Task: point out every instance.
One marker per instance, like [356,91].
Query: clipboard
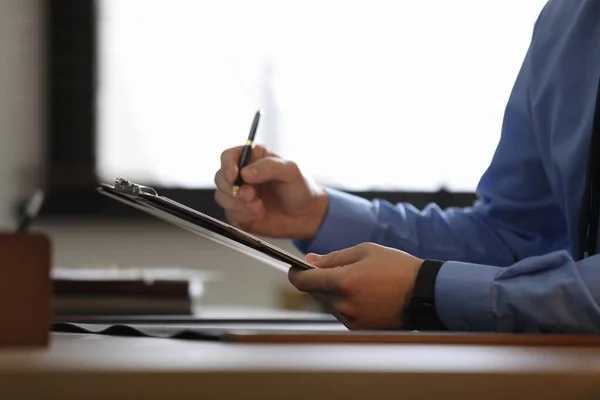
[149,201]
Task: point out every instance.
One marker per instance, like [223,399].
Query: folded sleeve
[541,294]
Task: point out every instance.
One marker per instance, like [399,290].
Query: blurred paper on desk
[127,291]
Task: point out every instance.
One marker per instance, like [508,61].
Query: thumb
[338,258]
[270,169]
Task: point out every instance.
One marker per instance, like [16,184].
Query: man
[522,259]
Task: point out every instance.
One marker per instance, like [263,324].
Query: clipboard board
[149,201]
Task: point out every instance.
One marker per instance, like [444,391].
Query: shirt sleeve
[515,216]
[543,294]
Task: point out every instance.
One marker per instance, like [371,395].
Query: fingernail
[312,257]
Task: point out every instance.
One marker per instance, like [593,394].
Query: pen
[246,152]
[32,208]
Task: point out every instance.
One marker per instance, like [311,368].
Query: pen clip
[126,186]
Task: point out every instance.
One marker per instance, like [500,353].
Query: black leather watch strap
[420,313]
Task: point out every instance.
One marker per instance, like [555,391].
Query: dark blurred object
[126,291]
[135,288]
[25,290]
[31,211]
[133,297]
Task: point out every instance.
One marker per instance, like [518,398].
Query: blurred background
[359,93]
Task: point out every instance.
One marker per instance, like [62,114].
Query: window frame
[70,177]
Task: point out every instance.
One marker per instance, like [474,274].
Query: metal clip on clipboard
[126,186]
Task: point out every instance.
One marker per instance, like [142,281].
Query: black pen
[246,153]
[32,209]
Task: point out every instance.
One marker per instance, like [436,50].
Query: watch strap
[421,313]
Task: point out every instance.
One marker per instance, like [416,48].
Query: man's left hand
[368,284]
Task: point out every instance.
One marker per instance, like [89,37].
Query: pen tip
[235,190]
[260,111]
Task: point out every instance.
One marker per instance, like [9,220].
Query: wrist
[315,216]
[408,295]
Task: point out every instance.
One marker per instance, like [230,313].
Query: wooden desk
[102,367]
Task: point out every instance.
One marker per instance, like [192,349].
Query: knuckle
[217,196]
[330,284]
[229,156]
[222,182]
[293,170]
[367,247]
[330,258]
[346,309]
[270,163]
[225,155]
[342,286]
[347,285]
[260,149]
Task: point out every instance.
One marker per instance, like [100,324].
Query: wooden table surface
[101,367]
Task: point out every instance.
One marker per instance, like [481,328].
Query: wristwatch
[421,314]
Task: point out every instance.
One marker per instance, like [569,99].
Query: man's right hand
[277,200]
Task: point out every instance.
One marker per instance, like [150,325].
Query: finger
[246,193]
[229,163]
[337,302]
[230,159]
[270,169]
[324,281]
[338,307]
[311,258]
[227,202]
[344,312]
[340,257]
[222,181]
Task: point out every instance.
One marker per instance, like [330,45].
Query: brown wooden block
[25,290]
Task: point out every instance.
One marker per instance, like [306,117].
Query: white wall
[244,280]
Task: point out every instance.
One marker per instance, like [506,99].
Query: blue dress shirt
[511,259]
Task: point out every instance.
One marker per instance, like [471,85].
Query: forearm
[549,293]
[452,234]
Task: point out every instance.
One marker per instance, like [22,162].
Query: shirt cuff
[464,296]
[350,220]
